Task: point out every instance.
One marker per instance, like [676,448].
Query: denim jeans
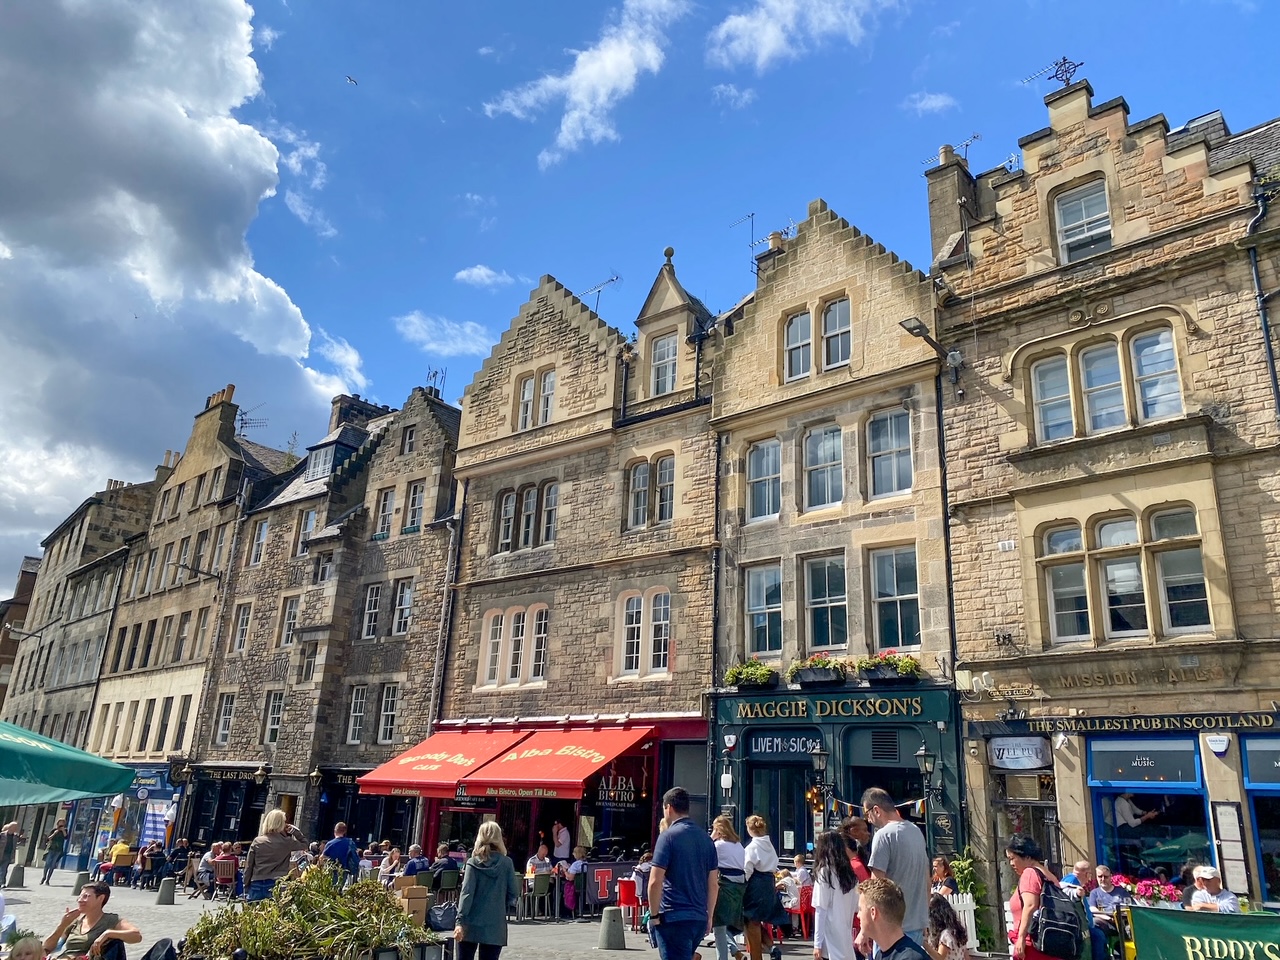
[725,945]
[260,890]
[678,939]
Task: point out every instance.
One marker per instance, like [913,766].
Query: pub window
[764,608]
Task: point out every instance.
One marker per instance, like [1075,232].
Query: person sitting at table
[570,870]
[390,867]
[1212,896]
[204,872]
[87,929]
[1105,898]
[442,864]
[416,862]
[540,862]
[229,853]
[640,874]
[176,862]
[366,863]
[804,878]
[788,888]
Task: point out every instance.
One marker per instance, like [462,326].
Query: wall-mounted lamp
[954,359]
[1059,740]
[260,775]
[315,777]
[928,762]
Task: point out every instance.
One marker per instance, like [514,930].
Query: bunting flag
[915,808]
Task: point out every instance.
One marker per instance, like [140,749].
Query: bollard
[17,876]
[165,896]
[81,879]
[612,936]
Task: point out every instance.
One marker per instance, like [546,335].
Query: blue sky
[196,195]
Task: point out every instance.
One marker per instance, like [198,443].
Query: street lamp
[928,762]
[316,777]
[953,358]
[822,788]
[260,775]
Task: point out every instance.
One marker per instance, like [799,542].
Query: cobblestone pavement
[40,908]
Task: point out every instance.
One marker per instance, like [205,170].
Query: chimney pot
[946,153]
[775,240]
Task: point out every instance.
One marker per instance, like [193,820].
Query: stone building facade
[147,713]
[67,627]
[1112,457]
[833,525]
[13,620]
[584,595]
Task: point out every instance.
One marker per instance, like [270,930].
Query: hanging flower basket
[888,666]
[818,676]
[751,674]
[819,668]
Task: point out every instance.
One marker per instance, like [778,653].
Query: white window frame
[546,396]
[757,455]
[515,646]
[831,472]
[528,517]
[664,473]
[664,352]
[167,572]
[829,602]
[660,631]
[506,521]
[386,511]
[184,561]
[403,606]
[493,649]
[1082,230]
[408,438]
[1056,556]
[895,452]
[369,611]
[307,668]
[797,348]
[226,715]
[324,566]
[306,526]
[289,620]
[355,713]
[879,596]
[1105,563]
[1089,394]
[1042,403]
[837,331]
[219,546]
[550,509]
[632,634]
[413,501]
[524,414]
[260,530]
[638,495]
[1164,337]
[274,715]
[541,639]
[215,483]
[387,712]
[769,611]
[319,463]
[244,619]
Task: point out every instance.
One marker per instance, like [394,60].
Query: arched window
[638,496]
[666,470]
[506,520]
[1155,375]
[550,507]
[1051,393]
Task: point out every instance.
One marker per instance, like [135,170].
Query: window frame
[773,490]
[828,602]
[226,717]
[289,610]
[546,396]
[273,717]
[897,598]
[895,453]
[243,624]
[828,468]
[257,548]
[306,527]
[638,495]
[370,611]
[840,334]
[415,497]
[664,487]
[1038,402]
[1088,394]
[1077,194]
[529,515]
[506,526]
[402,606]
[798,347]
[550,511]
[408,439]
[355,717]
[387,708]
[516,634]
[524,403]
[319,463]
[662,372]
[385,512]
[766,610]
[541,643]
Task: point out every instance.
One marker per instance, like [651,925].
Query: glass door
[777,794]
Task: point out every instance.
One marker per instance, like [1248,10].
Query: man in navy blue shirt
[683,882]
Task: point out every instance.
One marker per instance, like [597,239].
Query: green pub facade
[872,736]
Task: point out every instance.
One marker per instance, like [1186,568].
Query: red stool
[627,899]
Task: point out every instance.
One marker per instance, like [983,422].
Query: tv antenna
[599,288]
[1063,70]
[436,377]
[245,422]
[963,146]
[787,232]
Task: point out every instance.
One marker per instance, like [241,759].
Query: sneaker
[776,952]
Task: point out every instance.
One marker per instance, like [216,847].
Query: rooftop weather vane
[1062,70]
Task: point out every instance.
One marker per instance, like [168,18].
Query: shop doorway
[777,794]
[459,826]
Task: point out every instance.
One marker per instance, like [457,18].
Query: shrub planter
[758,684]
[884,675]
[818,675]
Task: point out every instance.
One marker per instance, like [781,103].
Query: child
[28,948]
[803,877]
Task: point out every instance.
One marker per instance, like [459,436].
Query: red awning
[552,763]
[434,767]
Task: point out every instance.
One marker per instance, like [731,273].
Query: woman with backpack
[1027,860]
[489,883]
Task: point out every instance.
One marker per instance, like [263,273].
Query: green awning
[35,769]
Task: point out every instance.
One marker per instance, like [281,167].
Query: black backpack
[1055,929]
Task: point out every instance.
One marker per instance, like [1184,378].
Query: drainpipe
[713,746]
[446,611]
[956,720]
[1261,298]
[624,358]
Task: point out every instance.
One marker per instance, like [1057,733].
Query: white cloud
[345,358]
[727,94]
[923,102]
[129,292]
[302,158]
[302,208]
[777,30]
[482,276]
[442,337]
[5,252]
[485,51]
[265,37]
[602,75]
[479,200]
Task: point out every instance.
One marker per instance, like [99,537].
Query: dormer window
[1084,223]
[319,463]
[663,364]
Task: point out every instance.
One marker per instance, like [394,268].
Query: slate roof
[348,435]
[1261,143]
[30,565]
[450,417]
[266,461]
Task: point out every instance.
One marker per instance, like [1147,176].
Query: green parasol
[35,769]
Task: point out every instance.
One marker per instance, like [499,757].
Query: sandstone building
[832,520]
[1112,471]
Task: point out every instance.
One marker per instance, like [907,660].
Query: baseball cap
[1206,873]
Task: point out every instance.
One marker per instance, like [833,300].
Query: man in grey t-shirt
[898,852]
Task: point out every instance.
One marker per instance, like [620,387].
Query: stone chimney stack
[352,409]
[950,186]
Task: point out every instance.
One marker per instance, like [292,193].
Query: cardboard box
[414,893]
[400,883]
[416,909]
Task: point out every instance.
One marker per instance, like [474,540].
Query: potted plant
[751,673]
[888,665]
[312,916]
[819,668]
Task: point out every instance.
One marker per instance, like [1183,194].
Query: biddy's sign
[1187,935]
[870,707]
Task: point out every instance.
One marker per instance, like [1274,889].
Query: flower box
[758,684]
[884,675]
[818,675]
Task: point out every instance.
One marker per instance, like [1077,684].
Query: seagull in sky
[352,80]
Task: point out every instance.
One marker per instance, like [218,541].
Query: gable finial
[669,253]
